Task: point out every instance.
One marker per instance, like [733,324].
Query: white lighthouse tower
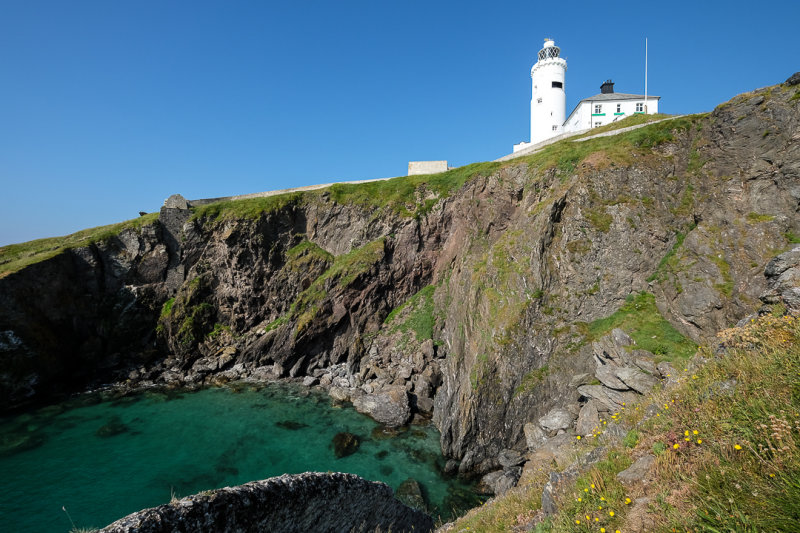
[548,99]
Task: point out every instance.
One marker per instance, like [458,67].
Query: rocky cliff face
[473,296]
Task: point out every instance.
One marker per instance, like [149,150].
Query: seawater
[101,459]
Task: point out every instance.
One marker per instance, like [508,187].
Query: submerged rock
[114,426]
[345,444]
[410,493]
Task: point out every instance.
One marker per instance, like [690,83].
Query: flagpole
[645,75]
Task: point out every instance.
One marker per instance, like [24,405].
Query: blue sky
[107,108]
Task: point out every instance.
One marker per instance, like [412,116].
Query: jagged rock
[608,376]
[783,280]
[286,504]
[794,79]
[636,380]
[388,406]
[645,363]
[607,399]
[345,444]
[534,436]
[510,458]
[637,470]
[588,419]
[580,379]
[310,381]
[555,420]
[410,493]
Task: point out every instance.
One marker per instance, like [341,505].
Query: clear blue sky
[108,107]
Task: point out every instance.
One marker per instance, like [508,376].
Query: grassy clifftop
[411,196]
[15,257]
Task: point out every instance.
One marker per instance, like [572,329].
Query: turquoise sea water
[103,459]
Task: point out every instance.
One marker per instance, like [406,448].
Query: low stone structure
[416,168]
[287,504]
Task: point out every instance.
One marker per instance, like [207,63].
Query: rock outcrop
[286,504]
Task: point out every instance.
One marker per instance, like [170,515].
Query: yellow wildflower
[737,447]
[695,432]
[676,445]
[627,501]
[699,441]
[611,513]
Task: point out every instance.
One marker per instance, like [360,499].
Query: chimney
[607,87]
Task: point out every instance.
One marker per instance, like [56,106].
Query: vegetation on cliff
[726,441]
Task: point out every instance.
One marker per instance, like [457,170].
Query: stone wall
[312,501]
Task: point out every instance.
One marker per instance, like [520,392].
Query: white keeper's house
[548,101]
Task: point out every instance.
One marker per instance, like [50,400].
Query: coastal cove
[102,458]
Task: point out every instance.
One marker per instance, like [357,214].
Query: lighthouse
[548,99]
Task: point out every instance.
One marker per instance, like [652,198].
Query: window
[598,124]
[619,108]
[538,100]
[598,108]
[557,85]
[639,107]
[555,128]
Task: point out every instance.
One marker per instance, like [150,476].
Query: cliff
[474,295]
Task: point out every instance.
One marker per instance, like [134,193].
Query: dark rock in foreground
[289,503]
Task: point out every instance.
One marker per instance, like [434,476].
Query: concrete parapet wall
[416,168]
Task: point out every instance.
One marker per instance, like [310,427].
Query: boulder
[510,458]
[339,394]
[794,79]
[500,481]
[588,419]
[389,406]
[310,381]
[637,470]
[534,436]
[555,420]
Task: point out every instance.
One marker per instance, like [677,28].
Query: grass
[620,149]
[725,461]
[640,318]
[248,209]
[418,316]
[531,380]
[667,262]
[402,195]
[14,257]
[344,271]
[755,218]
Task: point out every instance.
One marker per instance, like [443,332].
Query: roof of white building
[618,96]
